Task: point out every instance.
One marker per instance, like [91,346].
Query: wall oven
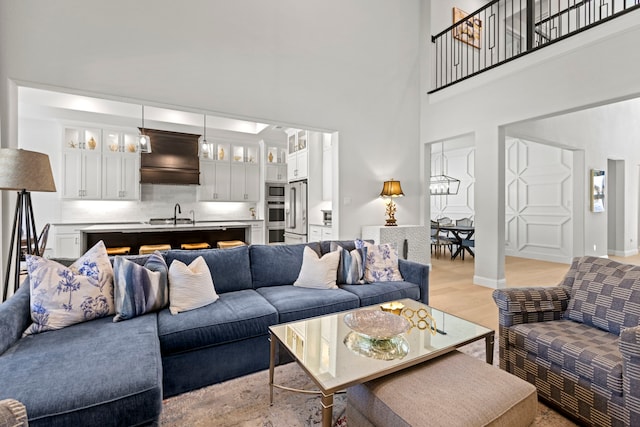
[274,209]
[275,214]
[275,192]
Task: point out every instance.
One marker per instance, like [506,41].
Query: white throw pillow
[63,296]
[190,286]
[316,272]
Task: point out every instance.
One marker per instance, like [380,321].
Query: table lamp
[24,171]
[390,190]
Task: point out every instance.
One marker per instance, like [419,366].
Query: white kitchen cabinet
[67,241]
[315,233]
[120,176]
[412,241]
[215,181]
[297,158]
[257,233]
[327,233]
[245,182]
[81,174]
[100,164]
[275,164]
[220,151]
[319,233]
[275,172]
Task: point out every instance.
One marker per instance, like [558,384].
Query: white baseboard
[490,283]
[628,252]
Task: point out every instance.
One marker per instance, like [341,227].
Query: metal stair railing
[504,30]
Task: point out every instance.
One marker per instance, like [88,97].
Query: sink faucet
[175,215]
[193,216]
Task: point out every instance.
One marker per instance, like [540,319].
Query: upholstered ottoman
[451,390]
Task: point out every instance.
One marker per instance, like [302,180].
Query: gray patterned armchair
[578,342]
[13,414]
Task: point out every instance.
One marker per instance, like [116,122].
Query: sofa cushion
[381,263]
[275,265]
[579,350]
[376,293]
[351,265]
[190,286]
[91,373]
[140,289]
[235,316]
[318,272]
[295,303]
[229,268]
[14,317]
[326,245]
[63,296]
[605,294]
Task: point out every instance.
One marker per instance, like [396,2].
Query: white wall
[596,67]
[350,66]
[606,132]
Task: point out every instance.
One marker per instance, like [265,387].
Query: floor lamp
[24,171]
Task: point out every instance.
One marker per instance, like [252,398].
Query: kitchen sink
[169,221]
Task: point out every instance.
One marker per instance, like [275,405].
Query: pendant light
[443,185]
[204,146]
[145,141]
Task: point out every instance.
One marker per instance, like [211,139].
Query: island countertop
[142,227]
[134,235]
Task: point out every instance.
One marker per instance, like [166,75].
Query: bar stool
[225,244]
[120,250]
[149,249]
[192,246]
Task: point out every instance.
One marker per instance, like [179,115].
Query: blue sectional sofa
[105,373]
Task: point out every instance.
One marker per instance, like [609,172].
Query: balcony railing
[503,30]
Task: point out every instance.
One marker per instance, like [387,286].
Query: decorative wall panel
[538,183]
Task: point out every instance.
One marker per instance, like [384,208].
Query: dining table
[461,235]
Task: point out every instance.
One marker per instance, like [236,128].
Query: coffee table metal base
[326,400]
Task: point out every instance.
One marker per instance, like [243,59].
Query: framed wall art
[468,31]
[597,190]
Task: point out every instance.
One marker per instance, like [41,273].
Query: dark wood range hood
[173,158]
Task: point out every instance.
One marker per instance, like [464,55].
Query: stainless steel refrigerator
[295,212]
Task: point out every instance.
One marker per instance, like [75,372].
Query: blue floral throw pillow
[140,289]
[63,296]
[381,263]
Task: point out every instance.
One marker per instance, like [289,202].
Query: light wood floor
[451,287]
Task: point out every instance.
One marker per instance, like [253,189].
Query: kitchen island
[135,235]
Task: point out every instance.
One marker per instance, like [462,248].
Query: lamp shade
[25,170]
[391,188]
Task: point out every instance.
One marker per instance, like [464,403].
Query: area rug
[244,402]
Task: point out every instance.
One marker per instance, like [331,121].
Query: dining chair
[468,243]
[439,238]
[41,243]
[465,222]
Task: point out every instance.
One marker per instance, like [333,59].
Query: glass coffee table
[335,357]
